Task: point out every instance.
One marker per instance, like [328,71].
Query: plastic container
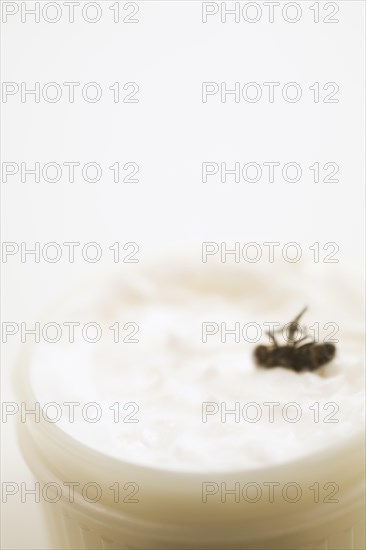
[170,512]
[316,502]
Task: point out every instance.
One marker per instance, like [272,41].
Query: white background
[169,133]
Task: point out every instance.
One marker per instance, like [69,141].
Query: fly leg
[272,338]
[293,326]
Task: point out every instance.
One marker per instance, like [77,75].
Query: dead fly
[296,354]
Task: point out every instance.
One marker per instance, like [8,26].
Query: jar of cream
[155,428]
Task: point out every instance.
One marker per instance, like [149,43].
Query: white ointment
[183,386]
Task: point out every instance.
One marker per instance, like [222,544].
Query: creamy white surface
[170,372]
